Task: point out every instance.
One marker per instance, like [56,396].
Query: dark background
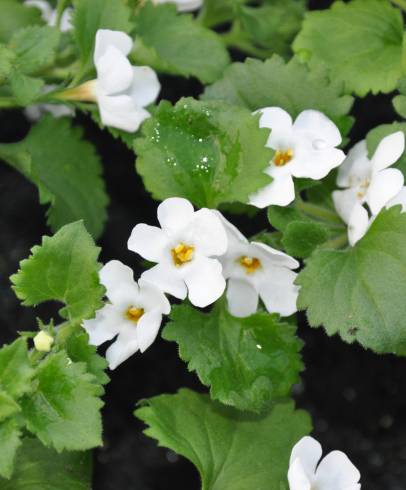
[356,398]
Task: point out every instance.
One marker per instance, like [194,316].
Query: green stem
[9,103]
[318,212]
[337,242]
[400,3]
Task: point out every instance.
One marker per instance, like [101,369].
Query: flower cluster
[196,253]
[334,472]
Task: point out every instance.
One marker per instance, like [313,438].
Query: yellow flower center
[182,253]
[250,264]
[363,189]
[134,314]
[282,157]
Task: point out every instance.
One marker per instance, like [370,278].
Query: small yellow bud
[43,341]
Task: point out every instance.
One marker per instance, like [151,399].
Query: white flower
[133,315]
[256,270]
[303,149]
[50,15]
[120,90]
[36,111]
[334,472]
[368,182]
[400,198]
[183,5]
[183,248]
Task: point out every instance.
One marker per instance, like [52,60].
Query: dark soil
[356,398]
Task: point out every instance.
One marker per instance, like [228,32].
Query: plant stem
[8,103]
[318,212]
[337,242]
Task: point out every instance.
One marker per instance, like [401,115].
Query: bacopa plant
[268,135]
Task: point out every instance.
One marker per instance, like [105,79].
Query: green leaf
[375,136]
[91,15]
[35,48]
[247,362]
[25,89]
[300,238]
[40,468]
[360,293]
[177,44]
[214,12]
[64,411]
[207,152]
[399,101]
[9,443]
[15,369]
[64,268]
[15,16]
[280,216]
[66,170]
[8,406]
[275,25]
[6,63]
[231,450]
[360,42]
[79,350]
[292,86]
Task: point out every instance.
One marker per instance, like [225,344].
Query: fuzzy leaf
[207,152]
[231,450]
[300,238]
[9,443]
[26,89]
[64,268]
[360,292]
[15,16]
[66,172]
[292,86]
[360,42]
[91,15]
[64,411]
[177,44]
[247,362]
[15,369]
[40,468]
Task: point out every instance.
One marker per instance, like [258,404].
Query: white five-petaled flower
[304,149]
[50,15]
[256,270]
[184,249]
[121,90]
[133,315]
[368,181]
[183,5]
[334,472]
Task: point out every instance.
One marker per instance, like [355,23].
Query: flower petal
[308,451]
[344,202]
[315,123]
[278,291]
[166,278]
[316,164]
[152,298]
[242,298]
[400,198]
[114,72]
[280,123]
[148,328]
[280,192]
[145,86]
[119,111]
[175,214]
[271,256]
[104,326]
[384,186]
[358,224]
[123,347]
[148,241]
[106,38]
[297,477]
[115,277]
[336,472]
[389,150]
[204,280]
[207,233]
[356,167]
[233,233]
